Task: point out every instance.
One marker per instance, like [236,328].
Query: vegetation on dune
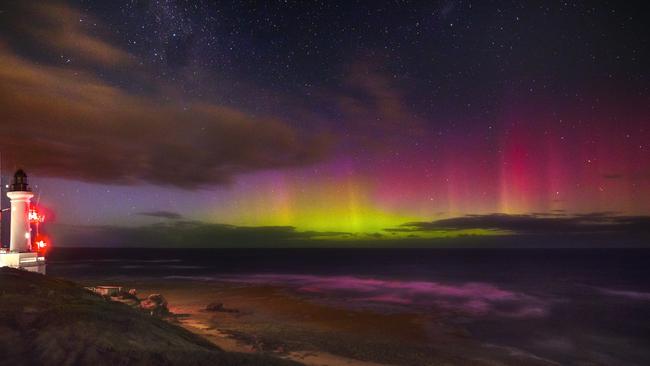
[48,321]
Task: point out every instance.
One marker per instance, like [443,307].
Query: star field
[351,116]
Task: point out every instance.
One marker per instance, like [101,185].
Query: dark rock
[218,307]
[130,295]
[214,306]
[155,304]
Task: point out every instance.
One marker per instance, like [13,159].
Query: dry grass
[47,321]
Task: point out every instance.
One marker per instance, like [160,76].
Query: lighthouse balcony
[28,261]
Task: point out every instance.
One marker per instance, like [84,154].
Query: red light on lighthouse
[35,216]
[42,244]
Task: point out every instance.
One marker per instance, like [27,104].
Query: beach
[393,307]
[321,331]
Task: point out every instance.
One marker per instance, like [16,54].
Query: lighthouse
[21,254]
[20,195]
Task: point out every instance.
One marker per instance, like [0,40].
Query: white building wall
[20,231]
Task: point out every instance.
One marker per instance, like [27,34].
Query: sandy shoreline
[277,321]
[233,332]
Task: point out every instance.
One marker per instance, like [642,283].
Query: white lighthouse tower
[20,195]
[21,254]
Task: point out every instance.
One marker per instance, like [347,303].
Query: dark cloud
[64,121]
[376,111]
[613,176]
[59,30]
[162,214]
[193,234]
[591,223]
[637,176]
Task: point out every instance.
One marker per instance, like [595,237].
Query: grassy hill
[48,321]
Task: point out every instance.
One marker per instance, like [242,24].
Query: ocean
[564,306]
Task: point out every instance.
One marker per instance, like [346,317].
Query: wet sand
[322,331]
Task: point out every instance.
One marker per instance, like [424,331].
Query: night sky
[310,120]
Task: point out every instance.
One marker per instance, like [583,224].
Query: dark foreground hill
[48,321]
